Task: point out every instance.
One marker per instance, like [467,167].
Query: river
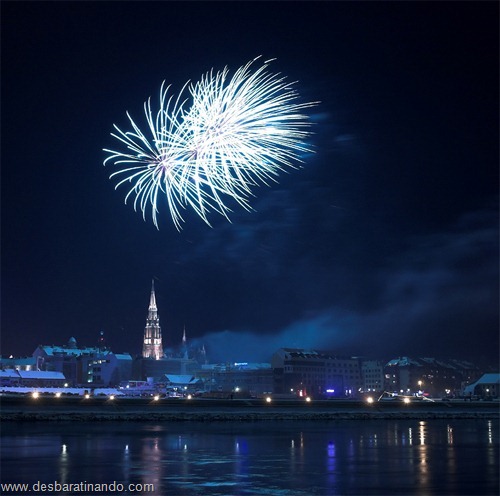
[299,458]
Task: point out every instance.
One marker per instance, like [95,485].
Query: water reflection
[449,431]
[151,459]
[421,432]
[374,457]
[63,463]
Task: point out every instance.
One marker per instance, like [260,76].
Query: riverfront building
[86,366]
[430,375]
[315,373]
[487,386]
[31,378]
[372,375]
[245,378]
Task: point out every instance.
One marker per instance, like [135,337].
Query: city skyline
[152,347]
[385,242]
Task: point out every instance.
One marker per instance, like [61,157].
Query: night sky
[384,244]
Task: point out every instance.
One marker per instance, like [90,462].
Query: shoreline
[50,409]
[240,417]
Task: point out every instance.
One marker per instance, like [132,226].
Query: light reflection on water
[378,457]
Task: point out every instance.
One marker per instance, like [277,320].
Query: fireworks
[236,133]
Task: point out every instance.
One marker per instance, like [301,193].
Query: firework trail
[237,133]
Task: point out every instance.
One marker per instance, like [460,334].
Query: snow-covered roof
[458,365]
[488,379]
[40,374]
[309,354]
[237,366]
[4,374]
[250,366]
[403,362]
[123,356]
[31,374]
[181,379]
[12,362]
[484,379]
[63,350]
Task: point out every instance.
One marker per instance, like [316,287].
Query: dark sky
[384,244]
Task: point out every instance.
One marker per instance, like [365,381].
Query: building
[87,366]
[104,369]
[487,386]
[432,376]
[31,378]
[62,358]
[247,379]
[24,363]
[372,376]
[156,369]
[152,346]
[9,378]
[315,373]
[155,362]
[182,384]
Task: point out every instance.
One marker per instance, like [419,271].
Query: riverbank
[49,408]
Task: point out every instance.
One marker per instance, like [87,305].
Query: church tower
[184,345]
[152,347]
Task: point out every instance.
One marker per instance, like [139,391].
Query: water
[376,457]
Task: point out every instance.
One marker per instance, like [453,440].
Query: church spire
[152,346]
[152,299]
[184,344]
[152,310]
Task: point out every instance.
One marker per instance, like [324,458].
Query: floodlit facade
[152,346]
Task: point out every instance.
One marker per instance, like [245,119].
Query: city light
[369,399]
[308,399]
[406,400]
[157,397]
[268,399]
[58,395]
[35,395]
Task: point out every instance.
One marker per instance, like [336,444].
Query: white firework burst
[238,132]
